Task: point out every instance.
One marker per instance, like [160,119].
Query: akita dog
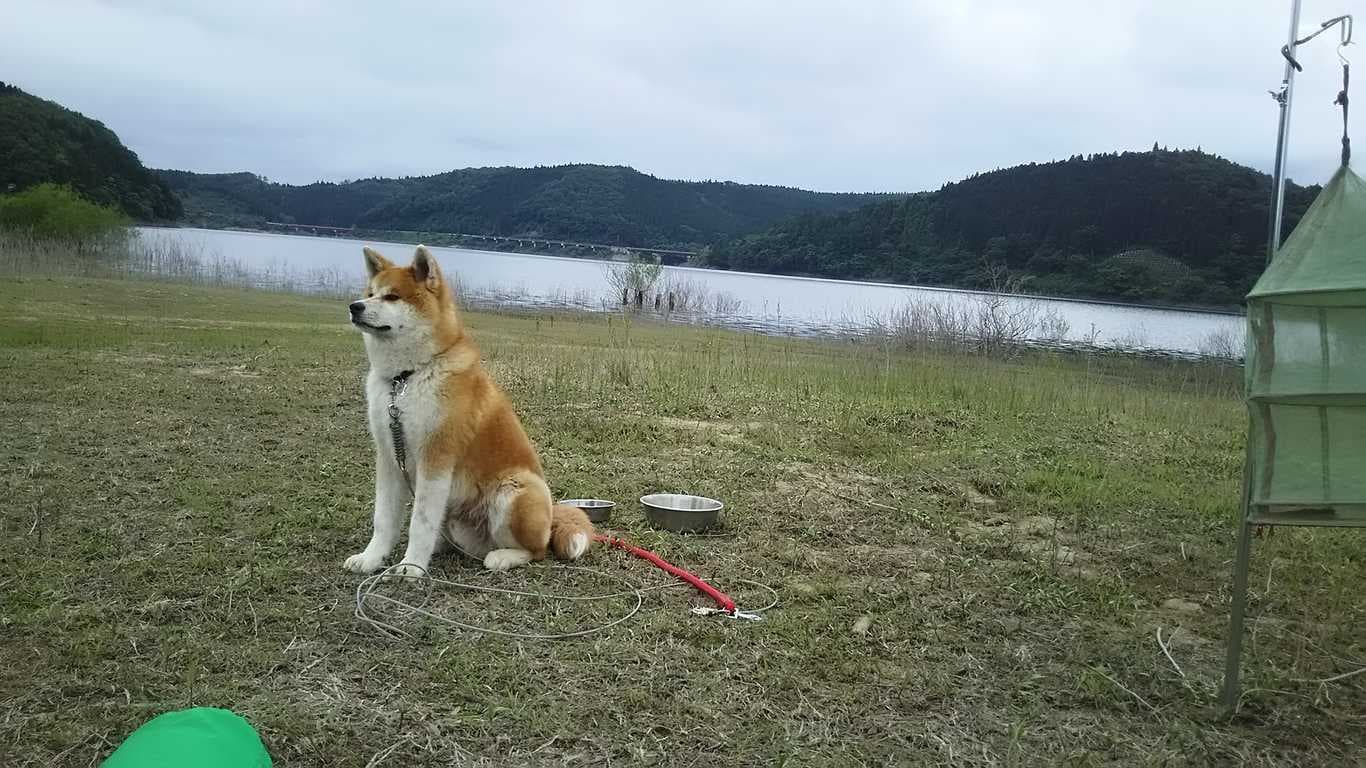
[446,436]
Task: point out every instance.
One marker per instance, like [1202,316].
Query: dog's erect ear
[374,262]
[425,269]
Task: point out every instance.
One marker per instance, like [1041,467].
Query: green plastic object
[203,737]
[1306,368]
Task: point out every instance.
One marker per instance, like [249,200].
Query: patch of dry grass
[974,556]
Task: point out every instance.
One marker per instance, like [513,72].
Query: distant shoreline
[1228,312]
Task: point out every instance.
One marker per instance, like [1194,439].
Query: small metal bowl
[598,510]
[680,512]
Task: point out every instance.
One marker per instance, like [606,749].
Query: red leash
[727,605]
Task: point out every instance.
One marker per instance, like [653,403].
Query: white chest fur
[416,402]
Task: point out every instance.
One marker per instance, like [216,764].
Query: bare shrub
[155,256]
[996,323]
[1053,327]
[991,322]
[726,303]
[1134,338]
[1221,343]
[920,323]
[633,280]
[683,293]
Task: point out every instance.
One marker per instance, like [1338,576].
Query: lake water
[765,303]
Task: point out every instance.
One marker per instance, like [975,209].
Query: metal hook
[1346,39]
[1345,35]
[1285,51]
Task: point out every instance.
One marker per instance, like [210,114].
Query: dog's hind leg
[390,497]
[519,523]
[463,538]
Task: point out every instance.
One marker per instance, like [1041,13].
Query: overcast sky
[884,96]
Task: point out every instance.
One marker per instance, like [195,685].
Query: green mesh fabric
[1324,259]
[1306,358]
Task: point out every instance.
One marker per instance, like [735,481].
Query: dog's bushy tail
[571,533]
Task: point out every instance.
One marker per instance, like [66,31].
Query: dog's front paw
[406,572]
[506,559]
[364,563]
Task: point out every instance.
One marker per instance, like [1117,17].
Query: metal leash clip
[702,610]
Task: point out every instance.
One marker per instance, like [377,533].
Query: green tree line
[1180,227]
[592,203]
[43,142]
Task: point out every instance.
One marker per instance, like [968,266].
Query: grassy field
[974,557]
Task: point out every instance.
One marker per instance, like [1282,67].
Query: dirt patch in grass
[710,426]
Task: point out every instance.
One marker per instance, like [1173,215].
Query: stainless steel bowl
[681,512]
[598,510]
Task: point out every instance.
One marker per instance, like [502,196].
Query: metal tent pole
[1284,97]
[1233,660]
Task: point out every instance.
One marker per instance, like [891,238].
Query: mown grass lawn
[974,556]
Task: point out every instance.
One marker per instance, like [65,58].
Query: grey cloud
[841,96]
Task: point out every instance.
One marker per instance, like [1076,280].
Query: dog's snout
[357,307]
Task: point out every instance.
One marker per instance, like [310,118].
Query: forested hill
[595,203]
[1182,227]
[41,141]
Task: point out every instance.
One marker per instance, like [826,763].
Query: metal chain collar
[396,387]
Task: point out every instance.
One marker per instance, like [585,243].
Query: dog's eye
[391,297]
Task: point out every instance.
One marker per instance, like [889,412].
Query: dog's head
[405,303]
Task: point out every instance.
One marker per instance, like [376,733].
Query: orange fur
[529,520]
[565,521]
